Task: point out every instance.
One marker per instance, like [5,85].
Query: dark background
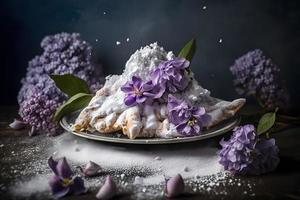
[271,25]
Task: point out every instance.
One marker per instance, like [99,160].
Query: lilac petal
[63,169]
[127,88]
[183,84]
[198,112]
[141,99]
[178,77]
[173,102]
[137,82]
[32,131]
[197,129]
[187,129]
[52,164]
[148,94]
[180,63]
[159,90]
[77,187]
[181,127]
[17,124]
[174,186]
[130,100]
[57,189]
[147,86]
[186,64]
[155,76]
[108,190]
[91,169]
[206,120]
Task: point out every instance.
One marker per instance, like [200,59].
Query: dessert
[157,95]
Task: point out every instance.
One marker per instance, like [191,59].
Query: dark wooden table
[18,152]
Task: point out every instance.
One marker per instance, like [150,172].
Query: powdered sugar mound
[145,60]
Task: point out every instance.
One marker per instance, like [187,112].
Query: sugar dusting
[35,185]
[159,162]
[138,170]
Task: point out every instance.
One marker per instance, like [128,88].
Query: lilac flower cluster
[63,53]
[188,119]
[169,77]
[37,111]
[257,75]
[245,154]
[137,92]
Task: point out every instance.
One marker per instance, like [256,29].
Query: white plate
[118,137]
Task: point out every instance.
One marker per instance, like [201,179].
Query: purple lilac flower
[63,54]
[245,154]
[188,119]
[171,75]
[257,75]
[62,183]
[137,92]
[38,111]
[266,157]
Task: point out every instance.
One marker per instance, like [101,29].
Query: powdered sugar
[201,161]
[137,169]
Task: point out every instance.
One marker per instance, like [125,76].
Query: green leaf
[266,122]
[75,103]
[70,84]
[188,50]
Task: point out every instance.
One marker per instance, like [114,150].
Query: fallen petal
[17,124]
[78,186]
[174,186]
[63,169]
[57,189]
[108,190]
[91,169]
[32,132]
[52,164]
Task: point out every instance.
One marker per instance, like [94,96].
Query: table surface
[18,151]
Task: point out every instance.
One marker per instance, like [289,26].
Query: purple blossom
[266,157]
[245,154]
[63,54]
[188,119]
[137,92]
[255,74]
[38,111]
[171,75]
[62,183]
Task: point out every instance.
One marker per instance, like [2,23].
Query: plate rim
[235,120]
